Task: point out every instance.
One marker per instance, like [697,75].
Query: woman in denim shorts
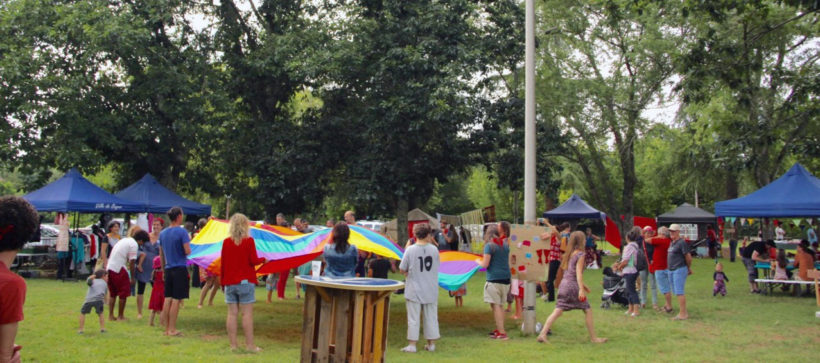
[238,271]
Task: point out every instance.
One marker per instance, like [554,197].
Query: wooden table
[345,319]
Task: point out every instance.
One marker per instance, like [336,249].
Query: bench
[812,274]
[770,284]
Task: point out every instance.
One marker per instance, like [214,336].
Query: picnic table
[770,283]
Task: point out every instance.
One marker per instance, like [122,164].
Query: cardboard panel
[528,253]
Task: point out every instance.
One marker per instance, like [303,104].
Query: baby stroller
[614,289]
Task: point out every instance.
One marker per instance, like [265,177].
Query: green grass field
[738,327]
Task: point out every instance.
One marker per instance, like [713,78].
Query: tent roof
[155,198]
[686,213]
[74,193]
[419,215]
[574,208]
[795,194]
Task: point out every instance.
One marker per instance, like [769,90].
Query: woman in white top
[627,268]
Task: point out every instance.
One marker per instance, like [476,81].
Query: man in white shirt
[123,254]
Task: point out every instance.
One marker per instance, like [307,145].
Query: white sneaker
[409,349]
[430,347]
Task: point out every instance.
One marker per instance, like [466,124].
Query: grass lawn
[738,327]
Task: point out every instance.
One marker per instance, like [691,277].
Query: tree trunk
[549,203]
[401,221]
[731,185]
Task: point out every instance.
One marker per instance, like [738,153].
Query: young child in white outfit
[420,264]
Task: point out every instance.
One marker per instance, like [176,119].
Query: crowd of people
[650,262]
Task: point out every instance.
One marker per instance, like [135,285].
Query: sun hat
[157,262]
[674,227]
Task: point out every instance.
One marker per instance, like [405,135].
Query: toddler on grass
[96,297]
[720,280]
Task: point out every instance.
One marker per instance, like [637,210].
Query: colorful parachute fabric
[284,247]
[284,250]
[456,268]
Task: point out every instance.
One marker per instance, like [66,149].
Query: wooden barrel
[345,319]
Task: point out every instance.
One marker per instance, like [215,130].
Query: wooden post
[341,331]
[309,324]
[816,275]
[358,318]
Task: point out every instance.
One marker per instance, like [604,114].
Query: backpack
[640,261]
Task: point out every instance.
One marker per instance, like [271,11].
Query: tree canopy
[314,107]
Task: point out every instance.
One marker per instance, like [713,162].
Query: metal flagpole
[529,152]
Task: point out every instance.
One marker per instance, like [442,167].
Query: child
[96,297]
[270,285]
[420,264]
[779,265]
[157,291]
[458,295]
[516,291]
[720,280]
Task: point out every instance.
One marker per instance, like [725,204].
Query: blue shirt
[173,241]
[499,267]
[590,242]
[341,264]
[150,250]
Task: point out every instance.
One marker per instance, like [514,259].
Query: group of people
[767,252]
[663,262]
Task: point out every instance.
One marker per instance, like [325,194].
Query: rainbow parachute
[456,268]
[286,249]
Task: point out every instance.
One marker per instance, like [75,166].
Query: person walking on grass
[572,293]
[496,260]
[680,267]
[238,271]
[175,246]
[420,265]
[95,298]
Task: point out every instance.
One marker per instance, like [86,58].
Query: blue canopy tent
[74,193]
[795,194]
[155,198]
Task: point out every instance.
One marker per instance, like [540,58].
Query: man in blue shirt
[175,246]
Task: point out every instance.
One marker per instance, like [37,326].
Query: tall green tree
[88,83]
[604,64]
[750,83]
[399,91]
[274,158]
